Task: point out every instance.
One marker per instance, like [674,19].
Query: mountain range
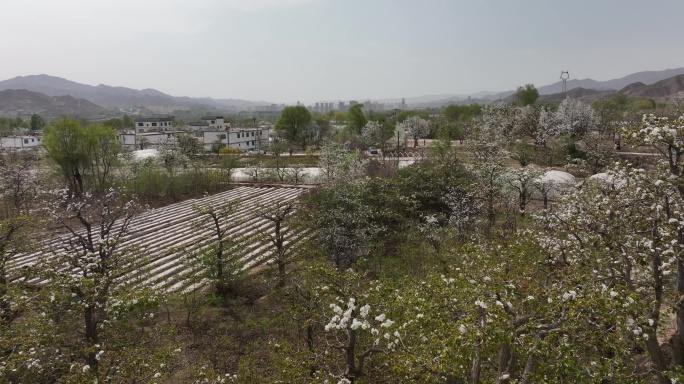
[118,97]
[576,88]
[55,96]
[22,101]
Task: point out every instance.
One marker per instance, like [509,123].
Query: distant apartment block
[274,108]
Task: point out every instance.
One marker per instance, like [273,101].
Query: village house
[153,124]
[20,141]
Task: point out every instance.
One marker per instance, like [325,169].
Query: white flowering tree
[219,260]
[12,240]
[338,164]
[628,235]
[20,180]
[415,128]
[574,118]
[666,137]
[522,182]
[90,303]
[278,214]
[501,315]
[171,156]
[359,335]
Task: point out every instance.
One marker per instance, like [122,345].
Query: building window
[140,124]
[154,124]
[25,141]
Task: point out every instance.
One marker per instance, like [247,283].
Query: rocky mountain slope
[14,101]
[115,97]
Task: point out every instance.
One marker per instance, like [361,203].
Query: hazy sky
[311,50]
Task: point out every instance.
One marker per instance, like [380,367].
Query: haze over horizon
[310,50]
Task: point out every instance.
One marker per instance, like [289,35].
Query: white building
[243,138]
[146,139]
[210,123]
[20,141]
[153,124]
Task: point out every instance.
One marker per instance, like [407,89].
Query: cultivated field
[165,237]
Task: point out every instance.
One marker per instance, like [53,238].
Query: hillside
[116,97]
[664,88]
[646,77]
[22,101]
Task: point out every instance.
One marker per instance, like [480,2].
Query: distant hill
[13,101]
[646,77]
[116,97]
[663,88]
[670,87]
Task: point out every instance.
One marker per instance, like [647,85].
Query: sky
[284,51]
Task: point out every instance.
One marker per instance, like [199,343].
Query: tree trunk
[678,337]
[475,372]
[505,358]
[657,358]
[350,349]
[91,336]
[5,307]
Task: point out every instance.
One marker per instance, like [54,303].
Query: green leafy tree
[527,95]
[86,155]
[356,119]
[127,121]
[293,125]
[64,142]
[37,122]
[102,149]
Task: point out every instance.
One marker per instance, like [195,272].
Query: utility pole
[565,75]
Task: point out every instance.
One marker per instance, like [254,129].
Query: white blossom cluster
[355,318]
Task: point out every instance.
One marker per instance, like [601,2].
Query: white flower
[387,323]
[380,317]
[462,328]
[157,375]
[420,315]
[481,304]
[364,310]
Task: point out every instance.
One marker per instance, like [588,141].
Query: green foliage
[403,115]
[356,119]
[292,125]
[37,122]
[12,125]
[231,151]
[527,95]
[458,113]
[152,184]
[85,155]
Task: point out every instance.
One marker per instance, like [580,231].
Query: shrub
[231,151]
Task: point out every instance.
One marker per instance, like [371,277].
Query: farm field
[167,236]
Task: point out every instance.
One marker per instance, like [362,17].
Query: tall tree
[37,122]
[356,120]
[84,154]
[527,95]
[64,143]
[293,125]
